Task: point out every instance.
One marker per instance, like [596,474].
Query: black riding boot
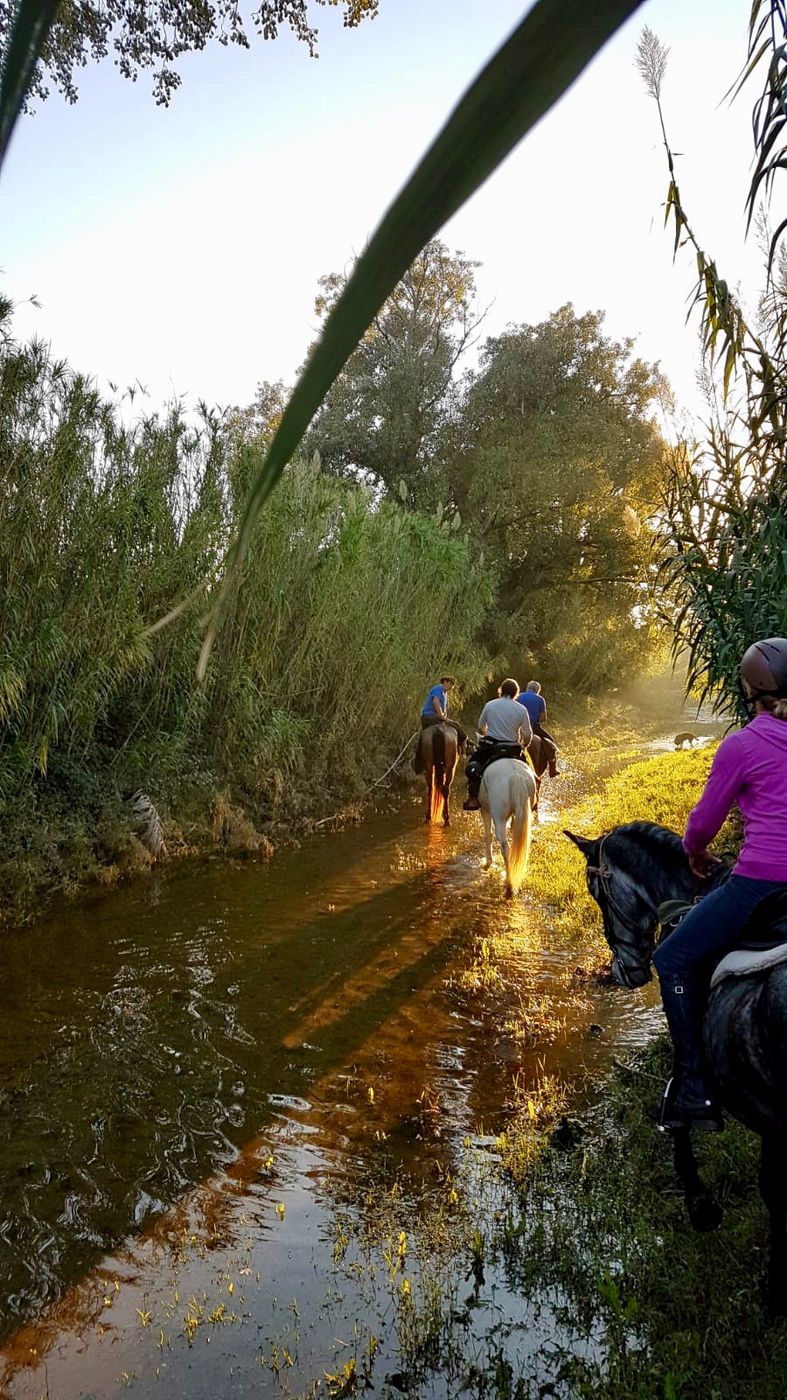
[687,1102]
[473,773]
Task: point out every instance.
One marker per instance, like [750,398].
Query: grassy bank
[646,1308]
[661,789]
[668,1313]
[346,608]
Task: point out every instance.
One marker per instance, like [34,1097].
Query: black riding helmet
[764,669]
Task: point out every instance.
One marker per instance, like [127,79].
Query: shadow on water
[233,1049]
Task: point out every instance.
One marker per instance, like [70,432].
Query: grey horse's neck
[654,856]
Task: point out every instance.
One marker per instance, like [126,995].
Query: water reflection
[179,1067]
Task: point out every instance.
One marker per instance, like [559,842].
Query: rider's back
[505,720]
[750,768]
[534,703]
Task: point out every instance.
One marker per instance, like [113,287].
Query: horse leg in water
[487,820]
[773,1188]
[703,1211]
[430,783]
[501,832]
[538,792]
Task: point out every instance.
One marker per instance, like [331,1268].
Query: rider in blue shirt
[536,706]
[435,711]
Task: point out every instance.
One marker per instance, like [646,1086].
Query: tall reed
[344,610]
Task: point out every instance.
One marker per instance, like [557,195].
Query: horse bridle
[605,876]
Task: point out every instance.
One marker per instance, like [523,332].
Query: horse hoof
[705,1214]
[509,893]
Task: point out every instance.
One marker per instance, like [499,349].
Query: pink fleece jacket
[750,768]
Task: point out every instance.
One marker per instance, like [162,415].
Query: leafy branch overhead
[150,38]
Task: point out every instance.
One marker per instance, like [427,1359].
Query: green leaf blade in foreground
[534,67]
[27,37]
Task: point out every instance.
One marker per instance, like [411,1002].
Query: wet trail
[201,1077]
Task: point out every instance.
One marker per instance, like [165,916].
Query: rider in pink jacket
[750,769]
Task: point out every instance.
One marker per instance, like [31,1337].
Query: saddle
[763,944]
[491,749]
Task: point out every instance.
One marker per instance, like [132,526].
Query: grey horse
[632,871]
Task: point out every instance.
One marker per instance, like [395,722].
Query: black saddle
[491,749]
[767,927]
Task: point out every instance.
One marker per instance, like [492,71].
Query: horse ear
[588,848]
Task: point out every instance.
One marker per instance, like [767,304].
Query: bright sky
[181,247]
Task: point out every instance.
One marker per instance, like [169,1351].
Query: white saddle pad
[745,960]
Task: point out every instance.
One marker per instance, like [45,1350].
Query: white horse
[508,790]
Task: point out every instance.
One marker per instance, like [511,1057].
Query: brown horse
[438,757]
[540,760]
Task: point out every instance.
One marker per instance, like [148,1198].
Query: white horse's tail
[519,849]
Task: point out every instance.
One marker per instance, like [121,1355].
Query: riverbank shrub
[345,610]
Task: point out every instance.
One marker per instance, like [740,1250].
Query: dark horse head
[631,870]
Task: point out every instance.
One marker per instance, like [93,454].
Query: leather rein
[605,877]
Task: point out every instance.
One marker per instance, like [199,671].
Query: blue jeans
[711,929]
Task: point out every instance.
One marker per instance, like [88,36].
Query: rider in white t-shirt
[506,727]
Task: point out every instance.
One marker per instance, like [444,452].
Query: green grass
[661,789]
[680,1314]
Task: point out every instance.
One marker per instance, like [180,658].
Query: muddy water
[198,1078]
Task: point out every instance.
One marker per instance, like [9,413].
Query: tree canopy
[383,419]
[152,37]
[558,467]
[547,452]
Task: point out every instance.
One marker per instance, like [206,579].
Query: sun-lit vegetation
[345,608]
[724,533]
[168,649]
[660,789]
[546,452]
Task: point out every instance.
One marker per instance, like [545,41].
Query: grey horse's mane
[646,845]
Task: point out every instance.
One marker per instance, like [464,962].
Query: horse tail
[519,849]
[438,773]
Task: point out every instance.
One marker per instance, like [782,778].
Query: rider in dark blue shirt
[536,706]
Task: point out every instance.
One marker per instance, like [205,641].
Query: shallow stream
[204,1078]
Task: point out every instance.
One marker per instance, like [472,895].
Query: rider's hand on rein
[703,864]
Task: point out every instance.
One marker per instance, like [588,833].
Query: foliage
[767,33]
[382,421]
[342,613]
[546,52]
[151,38]
[558,467]
[536,64]
[548,454]
[725,536]
[725,559]
[672,1314]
